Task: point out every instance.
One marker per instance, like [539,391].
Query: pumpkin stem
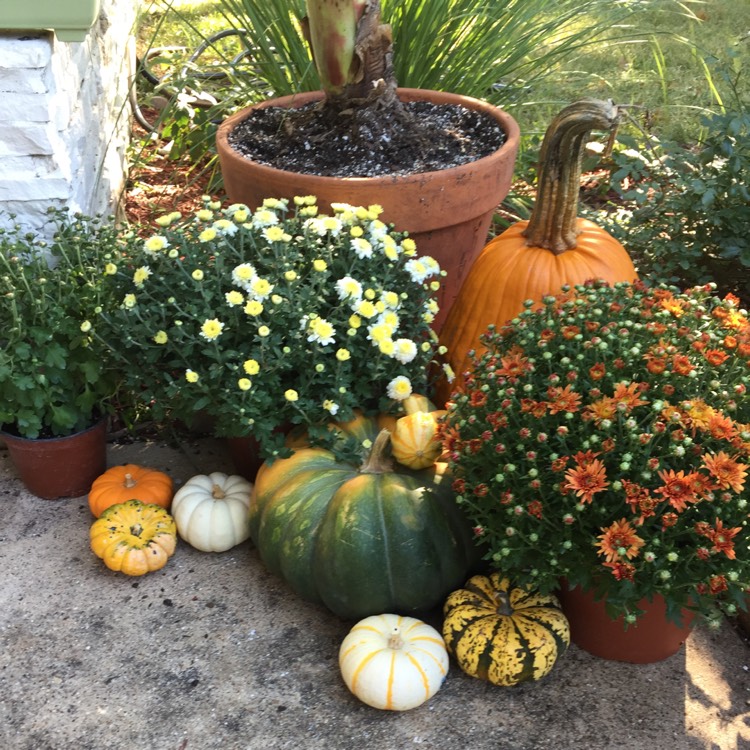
[217,493]
[377,462]
[503,603]
[136,529]
[395,642]
[129,481]
[553,221]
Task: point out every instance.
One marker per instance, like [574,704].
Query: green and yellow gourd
[361,539]
[502,634]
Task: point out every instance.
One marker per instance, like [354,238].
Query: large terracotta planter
[447,212]
[56,468]
[653,638]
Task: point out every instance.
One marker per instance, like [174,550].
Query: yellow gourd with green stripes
[502,634]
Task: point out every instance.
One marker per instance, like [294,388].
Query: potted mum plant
[273,318]
[603,442]
[56,382]
[464,149]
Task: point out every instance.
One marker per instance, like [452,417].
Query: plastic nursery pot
[447,212]
[56,468]
[653,638]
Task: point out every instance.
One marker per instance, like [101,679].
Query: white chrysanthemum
[349,288]
[405,351]
[399,388]
[225,227]
[321,331]
[155,244]
[379,332]
[330,406]
[140,275]
[260,288]
[234,298]
[391,300]
[243,275]
[332,225]
[417,269]
[365,308]
[362,248]
[276,234]
[390,319]
[264,217]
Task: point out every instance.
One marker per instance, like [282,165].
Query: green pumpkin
[504,634]
[361,539]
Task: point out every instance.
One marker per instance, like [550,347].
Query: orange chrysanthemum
[563,400]
[603,408]
[728,473]
[678,489]
[619,540]
[628,395]
[514,363]
[721,427]
[723,539]
[715,357]
[587,479]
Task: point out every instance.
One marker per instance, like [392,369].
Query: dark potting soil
[367,142]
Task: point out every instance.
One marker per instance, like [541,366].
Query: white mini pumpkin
[393,662]
[212,511]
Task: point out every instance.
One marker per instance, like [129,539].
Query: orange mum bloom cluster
[609,432]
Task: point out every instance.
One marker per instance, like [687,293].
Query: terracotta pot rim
[506,121]
[49,440]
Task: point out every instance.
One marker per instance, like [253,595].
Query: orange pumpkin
[130,482]
[537,257]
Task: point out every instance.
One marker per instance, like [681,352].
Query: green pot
[70,19]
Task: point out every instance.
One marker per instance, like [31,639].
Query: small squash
[211,511]
[502,634]
[130,482]
[134,537]
[361,537]
[535,258]
[393,662]
[415,442]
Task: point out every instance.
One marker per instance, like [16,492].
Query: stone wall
[65,118]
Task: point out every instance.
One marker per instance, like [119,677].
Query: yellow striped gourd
[503,634]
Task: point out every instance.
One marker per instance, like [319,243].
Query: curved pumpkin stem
[552,224]
[377,462]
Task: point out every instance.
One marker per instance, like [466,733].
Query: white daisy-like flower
[155,244]
[260,288]
[330,406]
[349,288]
[362,248]
[243,275]
[405,351]
[417,269]
[399,388]
[225,227]
[379,332]
[390,319]
[391,300]
[316,226]
[264,217]
[321,331]
[234,298]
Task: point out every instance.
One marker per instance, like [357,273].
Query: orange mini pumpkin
[535,258]
[130,482]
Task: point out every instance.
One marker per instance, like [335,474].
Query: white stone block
[24,108]
[27,139]
[23,81]
[23,51]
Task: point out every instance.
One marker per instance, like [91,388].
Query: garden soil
[214,653]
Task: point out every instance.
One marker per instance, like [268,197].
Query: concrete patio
[212,652]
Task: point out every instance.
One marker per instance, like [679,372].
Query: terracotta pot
[56,468]
[244,453]
[447,212]
[653,638]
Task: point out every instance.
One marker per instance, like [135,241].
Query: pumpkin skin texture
[361,540]
[536,258]
[393,663]
[415,442]
[211,511]
[130,482]
[134,538]
[502,634]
